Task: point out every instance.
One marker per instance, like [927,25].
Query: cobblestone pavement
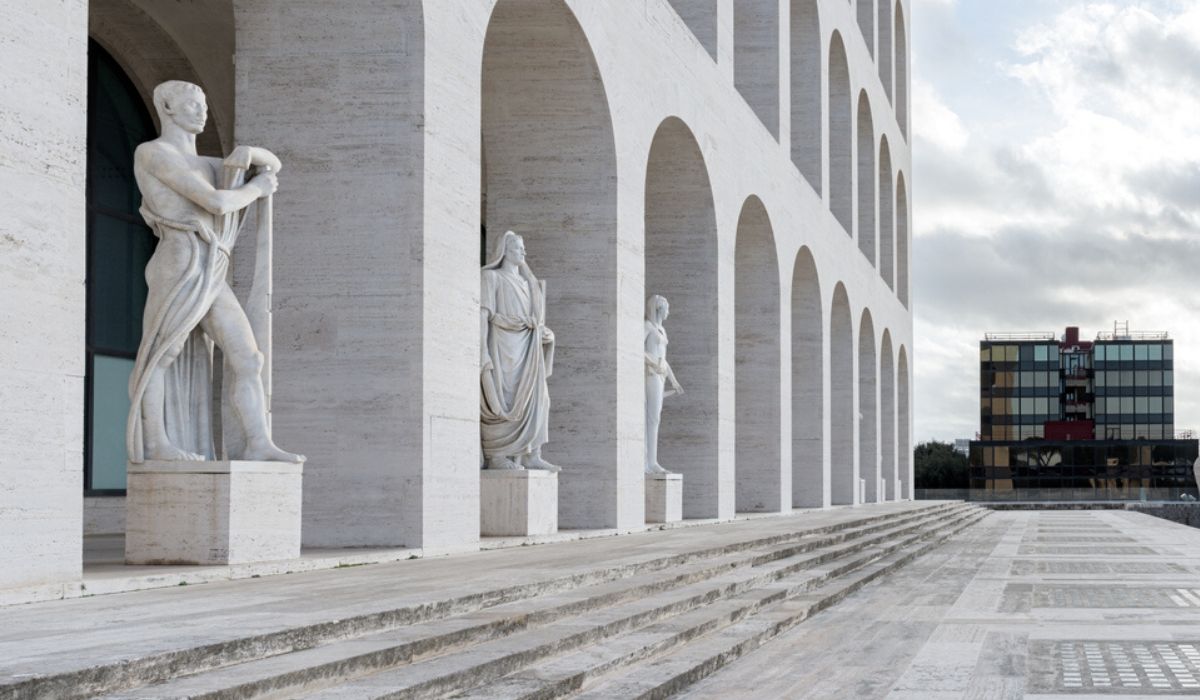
[1027,604]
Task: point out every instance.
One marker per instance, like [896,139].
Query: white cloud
[1078,206]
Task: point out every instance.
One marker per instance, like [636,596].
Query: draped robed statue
[517,356]
[194,205]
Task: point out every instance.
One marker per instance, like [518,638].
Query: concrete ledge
[664,498]
[517,502]
[228,512]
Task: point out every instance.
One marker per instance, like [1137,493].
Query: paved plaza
[1033,604]
[909,601]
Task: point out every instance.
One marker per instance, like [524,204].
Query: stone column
[375,373]
[43,243]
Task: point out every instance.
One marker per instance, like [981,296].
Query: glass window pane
[1155,404]
[1041,353]
[1141,405]
[1155,352]
[1011,353]
[1168,404]
[1113,405]
[1041,406]
[1169,351]
[1154,377]
[1126,405]
[1026,353]
[1027,379]
[1027,406]
[110,409]
[1168,378]
[1140,377]
[1141,352]
[985,353]
[1127,378]
[1126,355]
[1100,378]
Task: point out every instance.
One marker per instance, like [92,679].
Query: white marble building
[747,159]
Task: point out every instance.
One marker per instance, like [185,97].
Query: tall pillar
[375,373]
[43,243]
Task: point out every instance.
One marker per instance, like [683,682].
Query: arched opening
[905,426]
[901,71]
[843,475]
[551,177]
[887,218]
[887,420]
[809,480]
[902,257]
[681,264]
[866,178]
[841,139]
[756,58]
[763,485]
[866,23]
[885,46]
[868,409]
[119,244]
[806,90]
[700,16]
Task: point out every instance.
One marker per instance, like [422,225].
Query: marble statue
[658,374]
[195,205]
[517,358]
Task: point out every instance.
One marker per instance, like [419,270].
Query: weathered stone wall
[43,131]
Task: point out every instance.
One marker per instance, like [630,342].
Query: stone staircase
[641,630]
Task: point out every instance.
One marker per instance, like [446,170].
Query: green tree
[938,466]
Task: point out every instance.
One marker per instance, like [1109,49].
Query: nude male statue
[190,304]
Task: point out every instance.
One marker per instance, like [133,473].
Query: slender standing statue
[658,373]
[194,205]
[517,357]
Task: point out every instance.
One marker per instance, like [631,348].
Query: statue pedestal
[664,498]
[230,512]
[517,502]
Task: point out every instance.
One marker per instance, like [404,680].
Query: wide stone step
[489,661]
[652,595]
[664,675]
[167,657]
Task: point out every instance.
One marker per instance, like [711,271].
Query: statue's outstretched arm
[176,173]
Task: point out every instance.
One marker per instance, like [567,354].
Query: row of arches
[879,222]
[567,213]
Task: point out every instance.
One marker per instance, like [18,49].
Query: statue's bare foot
[166,452]
[501,463]
[268,452]
[656,468]
[535,461]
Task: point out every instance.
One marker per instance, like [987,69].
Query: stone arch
[901,71]
[681,264]
[841,136]
[763,485]
[887,217]
[868,408]
[902,241]
[140,37]
[806,90]
[700,16]
[551,176]
[904,427]
[843,474]
[866,23]
[884,56]
[756,58]
[887,420]
[866,179]
[809,487]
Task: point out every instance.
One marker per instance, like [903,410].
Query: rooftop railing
[1020,336]
[1134,335]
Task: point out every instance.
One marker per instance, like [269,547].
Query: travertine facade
[746,159]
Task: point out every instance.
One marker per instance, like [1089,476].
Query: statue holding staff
[517,358]
[194,205]
[658,374]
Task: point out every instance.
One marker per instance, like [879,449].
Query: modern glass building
[1062,418]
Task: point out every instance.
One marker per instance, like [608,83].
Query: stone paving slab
[990,616]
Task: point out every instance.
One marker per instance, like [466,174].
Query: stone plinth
[664,498]
[517,502]
[212,512]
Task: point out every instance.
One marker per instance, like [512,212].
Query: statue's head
[657,309]
[514,247]
[181,103]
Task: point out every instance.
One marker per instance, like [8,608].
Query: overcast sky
[1056,172]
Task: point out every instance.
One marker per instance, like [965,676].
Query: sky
[1056,182]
